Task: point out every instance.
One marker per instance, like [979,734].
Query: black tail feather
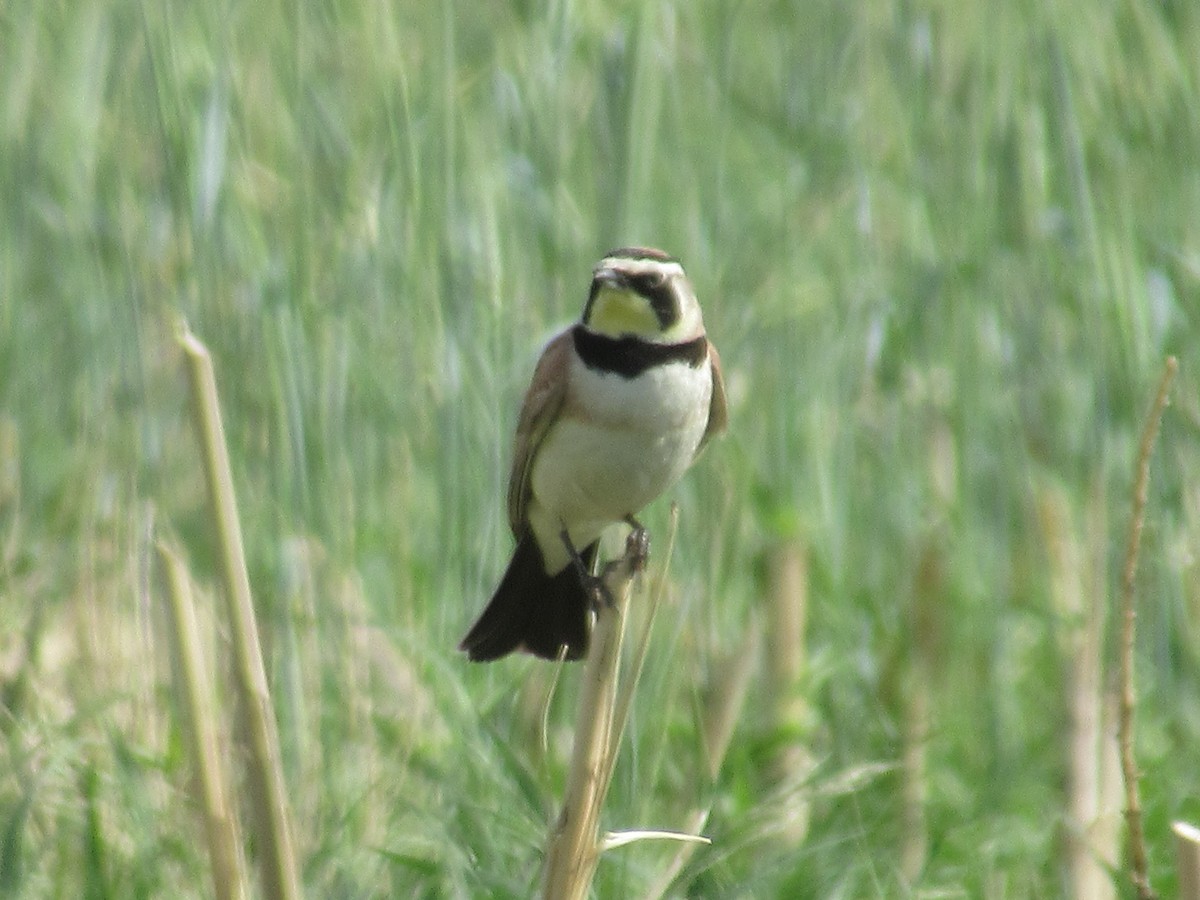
[532,611]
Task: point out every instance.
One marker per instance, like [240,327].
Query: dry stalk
[269,814]
[925,629]
[1077,591]
[728,686]
[195,690]
[787,615]
[1139,873]
[574,846]
[573,849]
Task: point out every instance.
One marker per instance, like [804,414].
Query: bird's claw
[637,548]
[637,554]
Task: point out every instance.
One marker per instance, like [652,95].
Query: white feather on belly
[619,445]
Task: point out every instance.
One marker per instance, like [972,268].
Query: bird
[619,406]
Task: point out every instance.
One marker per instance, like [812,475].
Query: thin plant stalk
[727,696]
[917,708]
[269,814]
[220,826]
[1139,867]
[1089,841]
[786,605]
[641,650]
[573,851]
[690,838]
[575,843]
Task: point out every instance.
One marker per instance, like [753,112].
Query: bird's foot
[637,554]
[592,584]
[637,545]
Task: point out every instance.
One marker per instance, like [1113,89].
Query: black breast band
[630,356]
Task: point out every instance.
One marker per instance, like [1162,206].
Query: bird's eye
[651,282]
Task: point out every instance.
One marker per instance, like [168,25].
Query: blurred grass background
[943,248]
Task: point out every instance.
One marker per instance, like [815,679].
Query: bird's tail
[532,611]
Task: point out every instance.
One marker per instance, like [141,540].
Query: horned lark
[620,405]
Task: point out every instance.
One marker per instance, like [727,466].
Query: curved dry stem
[1138,866]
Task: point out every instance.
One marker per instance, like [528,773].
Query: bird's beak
[611,277]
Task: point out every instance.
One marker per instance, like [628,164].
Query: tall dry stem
[269,814]
[1138,865]
[220,826]
[787,617]
[573,851]
[1078,591]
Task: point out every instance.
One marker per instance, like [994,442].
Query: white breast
[630,441]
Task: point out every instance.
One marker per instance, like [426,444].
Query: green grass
[971,220]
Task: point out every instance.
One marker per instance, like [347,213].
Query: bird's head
[641,292]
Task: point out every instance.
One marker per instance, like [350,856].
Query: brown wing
[543,400]
[718,413]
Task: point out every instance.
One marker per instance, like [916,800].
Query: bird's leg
[593,584]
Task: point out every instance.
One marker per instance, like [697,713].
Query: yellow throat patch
[616,312]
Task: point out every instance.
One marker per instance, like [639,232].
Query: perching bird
[619,406]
